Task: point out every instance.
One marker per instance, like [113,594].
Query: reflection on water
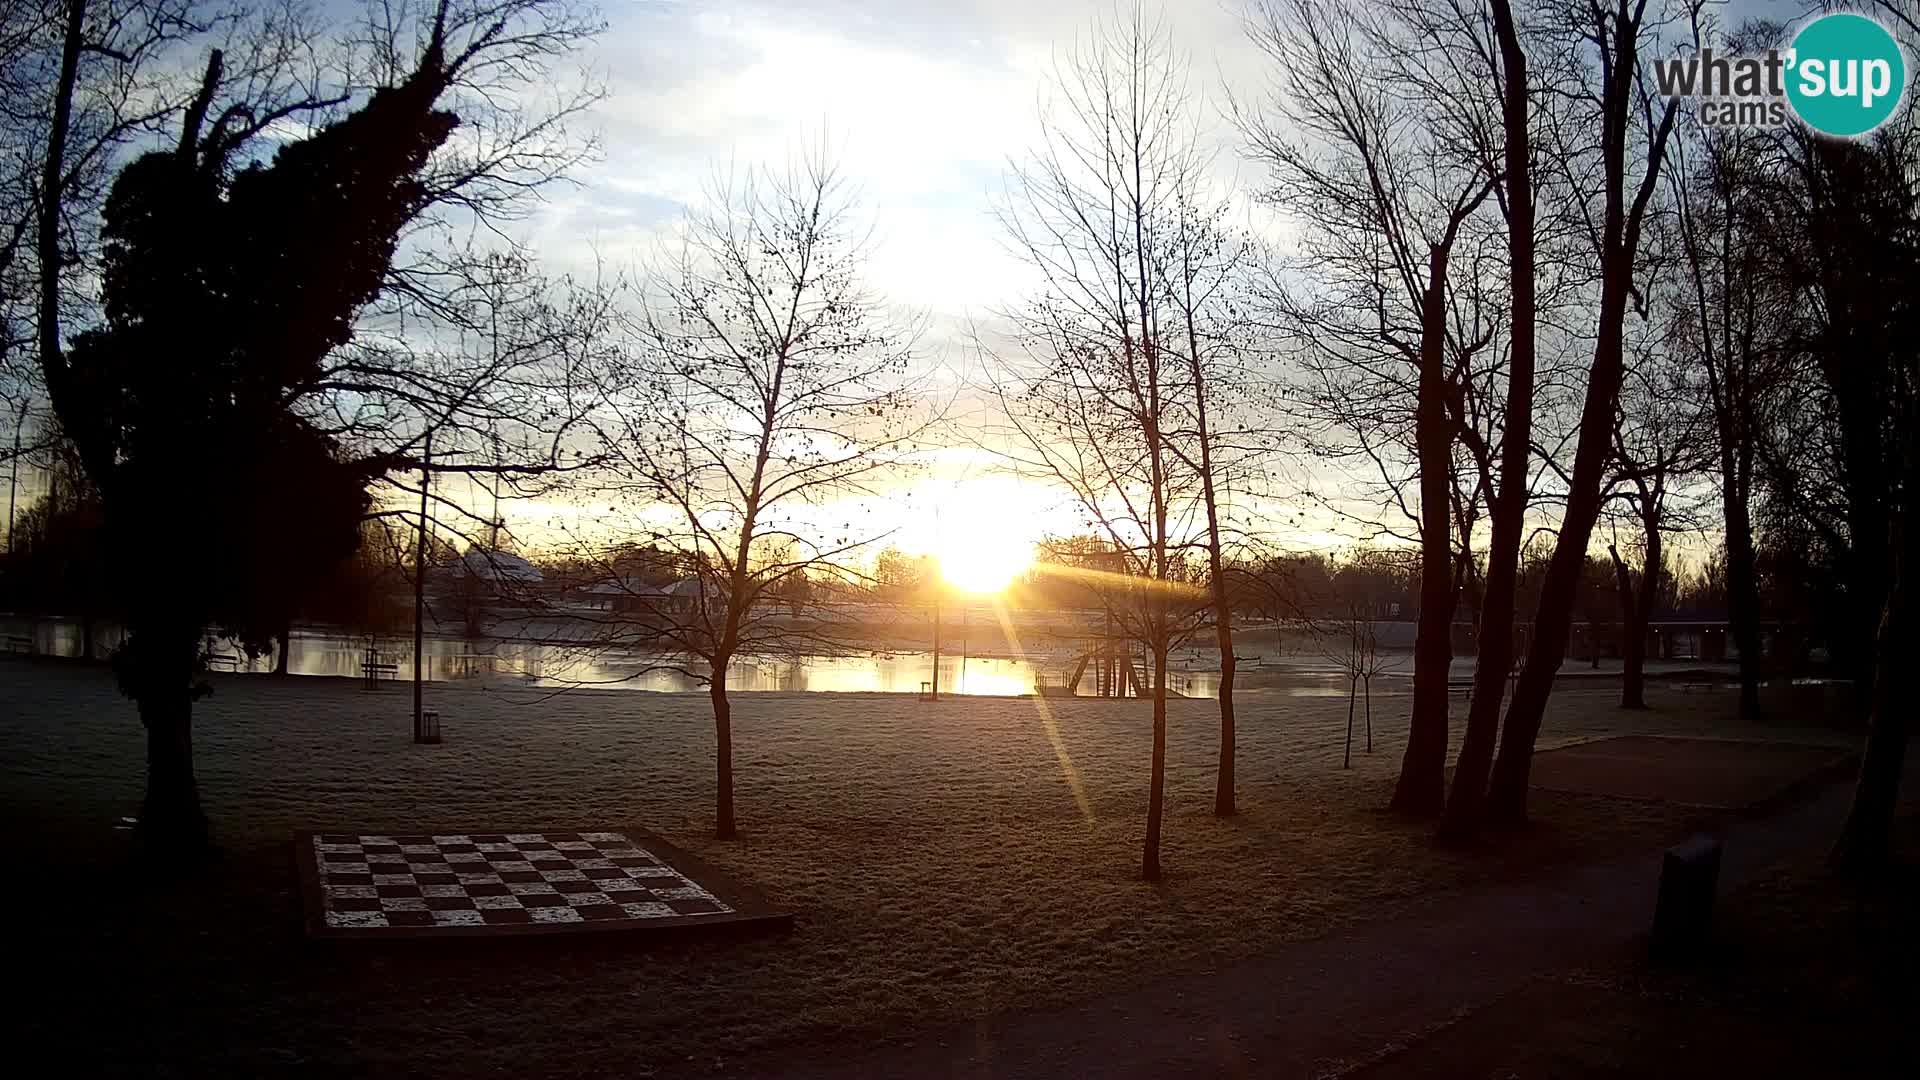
[526,663]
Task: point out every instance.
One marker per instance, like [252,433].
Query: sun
[983,559]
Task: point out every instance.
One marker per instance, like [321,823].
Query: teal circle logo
[1847,76]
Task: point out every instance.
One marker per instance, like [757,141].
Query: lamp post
[13,471]
[420,585]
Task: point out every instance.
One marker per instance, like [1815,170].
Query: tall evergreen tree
[222,291]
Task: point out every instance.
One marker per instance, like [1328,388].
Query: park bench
[219,658]
[373,668]
[1461,686]
[19,643]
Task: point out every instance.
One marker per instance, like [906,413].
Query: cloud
[923,103]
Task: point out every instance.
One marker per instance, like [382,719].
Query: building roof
[686,586]
[500,566]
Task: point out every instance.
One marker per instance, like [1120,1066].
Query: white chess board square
[495,903]
[529,888]
[554,915]
[587,899]
[357,919]
[646,910]
[402,903]
[563,875]
[458,918]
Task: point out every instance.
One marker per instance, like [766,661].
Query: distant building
[504,570]
[684,597]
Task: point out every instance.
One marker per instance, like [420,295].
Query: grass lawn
[943,860]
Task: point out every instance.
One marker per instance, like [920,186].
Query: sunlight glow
[1068,771]
[983,558]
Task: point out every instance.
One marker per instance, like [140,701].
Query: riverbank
[978,658]
[945,861]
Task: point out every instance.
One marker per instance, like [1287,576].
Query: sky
[924,104]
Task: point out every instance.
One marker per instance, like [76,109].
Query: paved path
[1314,1006]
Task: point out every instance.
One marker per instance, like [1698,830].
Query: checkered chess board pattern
[504,880]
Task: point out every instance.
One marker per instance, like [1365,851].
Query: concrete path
[1319,1006]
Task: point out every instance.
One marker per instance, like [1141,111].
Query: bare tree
[1095,387]
[1657,441]
[1379,142]
[95,77]
[1735,311]
[767,392]
[1629,120]
[1204,269]
[1352,643]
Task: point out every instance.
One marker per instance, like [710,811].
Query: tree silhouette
[222,291]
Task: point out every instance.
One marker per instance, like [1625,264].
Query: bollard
[1689,874]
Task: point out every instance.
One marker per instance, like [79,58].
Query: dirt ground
[944,861]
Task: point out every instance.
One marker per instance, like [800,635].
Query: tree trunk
[1866,484]
[1743,605]
[1863,844]
[1222,606]
[723,828]
[1346,753]
[156,669]
[1421,790]
[1223,804]
[1156,794]
[1633,644]
[1619,241]
[1553,619]
[283,643]
[1466,800]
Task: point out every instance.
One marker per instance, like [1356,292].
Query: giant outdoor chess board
[463,884]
